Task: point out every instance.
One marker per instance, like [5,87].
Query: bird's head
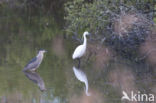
[42,51]
[86,33]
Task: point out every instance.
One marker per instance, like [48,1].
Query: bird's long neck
[86,89]
[85,40]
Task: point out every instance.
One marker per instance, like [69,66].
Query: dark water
[22,35]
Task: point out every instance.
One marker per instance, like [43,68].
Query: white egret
[81,49]
[81,76]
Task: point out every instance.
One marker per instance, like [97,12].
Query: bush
[118,25]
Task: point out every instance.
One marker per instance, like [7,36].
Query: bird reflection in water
[35,77]
[81,76]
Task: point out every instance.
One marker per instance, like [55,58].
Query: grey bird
[35,62]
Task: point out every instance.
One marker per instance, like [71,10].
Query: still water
[21,36]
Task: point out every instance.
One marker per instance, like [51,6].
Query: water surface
[22,35]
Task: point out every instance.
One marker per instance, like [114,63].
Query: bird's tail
[24,70]
[73,56]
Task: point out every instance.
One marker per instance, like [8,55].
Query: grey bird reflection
[81,76]
[35,77]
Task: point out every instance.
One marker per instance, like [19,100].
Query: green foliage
[85,16]
[155,20]
[97,15]
[120,24]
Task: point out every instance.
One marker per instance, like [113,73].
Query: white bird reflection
[35,77]
[81,76]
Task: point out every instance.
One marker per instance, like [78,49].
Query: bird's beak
[45,51]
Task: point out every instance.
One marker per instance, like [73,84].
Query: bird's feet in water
[79,62]
[33,70]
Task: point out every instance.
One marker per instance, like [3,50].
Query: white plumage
[81,49]
[81,76]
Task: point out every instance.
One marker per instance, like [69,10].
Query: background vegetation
[29,25]
[120,24]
